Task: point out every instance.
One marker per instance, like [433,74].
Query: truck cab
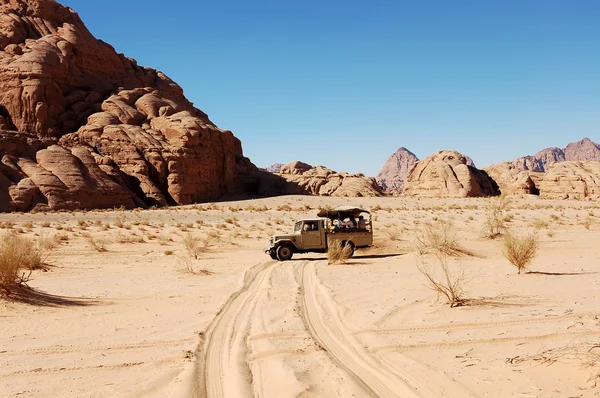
[317,234]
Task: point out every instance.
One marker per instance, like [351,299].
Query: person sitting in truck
[362,223]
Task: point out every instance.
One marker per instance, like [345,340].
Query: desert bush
[168,252]
[119,222]
[186,264]
[129,238]
[94,243]
[195,245]
[28,225]
[439,236]
[393,235]
[45,224]
[337,252]
[18,258]
[520,250]
[440,279]
[539,224]
[285,207]
[495,219]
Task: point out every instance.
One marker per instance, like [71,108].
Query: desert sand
[122,309]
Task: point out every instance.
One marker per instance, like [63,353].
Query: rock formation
[87,127]
[300,178]
[513,181]
[571,180]
[395,169]
[446,174]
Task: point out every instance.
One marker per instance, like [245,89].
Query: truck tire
[273,255]
[284,253]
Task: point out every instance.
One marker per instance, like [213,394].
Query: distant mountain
[583,150]
[395,169]
[274,168]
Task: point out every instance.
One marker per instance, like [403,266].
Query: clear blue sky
[344,83]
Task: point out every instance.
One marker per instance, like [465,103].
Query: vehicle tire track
[222,357]
[476,325]
[326,327]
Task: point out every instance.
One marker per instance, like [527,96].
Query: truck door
[311,235]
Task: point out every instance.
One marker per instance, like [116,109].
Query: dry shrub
[439,236]
[495,220]
[520,250]
[186,264]
[195,245]
[337,252]
[440,279]
[18,257]
[95,244]
[539,224]
[130,238]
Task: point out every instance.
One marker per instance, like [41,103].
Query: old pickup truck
[349,225]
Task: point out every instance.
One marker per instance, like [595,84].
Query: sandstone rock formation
[301,178]
[512,180]
[91,128]
[392,175]
[571,180]
[446,174]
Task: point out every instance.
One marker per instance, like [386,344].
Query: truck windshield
[298,226]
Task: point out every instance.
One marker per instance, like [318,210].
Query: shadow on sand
[28,295]
[355,257]
[559,273]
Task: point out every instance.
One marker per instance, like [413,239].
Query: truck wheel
[273,255]
[284,253]
[349,248]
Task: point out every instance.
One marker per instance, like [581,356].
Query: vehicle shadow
[355,257]
[32,296]
[559,273]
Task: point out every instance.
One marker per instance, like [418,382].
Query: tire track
[451,344]
[222,358]
[326,327]
[71,349]
[476,325]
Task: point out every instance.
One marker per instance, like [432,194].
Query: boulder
[446,174]
[512,180]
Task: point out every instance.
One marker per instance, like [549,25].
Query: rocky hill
[392,175]
[447,174]
[297,178]
[85,127]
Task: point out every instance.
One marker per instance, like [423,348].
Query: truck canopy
[342,212]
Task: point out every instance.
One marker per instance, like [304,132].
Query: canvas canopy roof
[342,212]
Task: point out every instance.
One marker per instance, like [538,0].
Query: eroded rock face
[300,178]
[274,168]
[571,180]
[91,107]
[446,174]
[392,175]
[513,181]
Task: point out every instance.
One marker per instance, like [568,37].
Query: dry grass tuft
[195,245]
[338,253]
[520,250]
[18,258]
[186,264]
[95,244]
[440,279]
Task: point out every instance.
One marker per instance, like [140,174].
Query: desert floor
[122,309]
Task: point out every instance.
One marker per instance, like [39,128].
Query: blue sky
[345,83]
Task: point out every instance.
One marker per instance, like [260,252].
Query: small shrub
[28,225]
[119,222]
[186,264]
[45,224]
[337,253]
[520,250]
[168,252]
[439,237]
[539,224]
[441,280]
[94,243]
[194,245]
[495,219]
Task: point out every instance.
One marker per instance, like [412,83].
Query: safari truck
[351,226]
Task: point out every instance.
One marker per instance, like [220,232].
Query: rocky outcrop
[392,175]
[583,150]
[297,178]
[101,131]
[446,174]
[571,180]
[513,181]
